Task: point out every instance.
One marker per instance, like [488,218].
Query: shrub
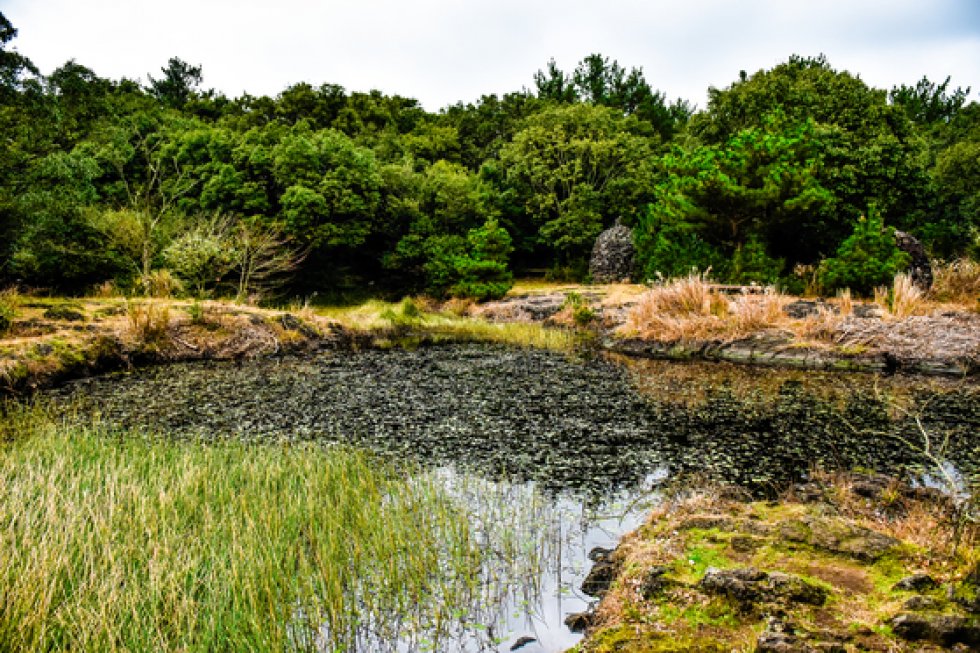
[162,284]
[8,309]
[867,259]
[474,267]
[751,264]
[148,322]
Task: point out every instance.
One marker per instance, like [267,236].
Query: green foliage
[8,310]
[578,168]
[582,313]
[202,256]
[474,267]
[868,258]
[751,264]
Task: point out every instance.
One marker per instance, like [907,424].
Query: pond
[552,454]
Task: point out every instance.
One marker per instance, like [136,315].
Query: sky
[444,51]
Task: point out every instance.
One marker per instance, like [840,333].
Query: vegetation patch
[708,569]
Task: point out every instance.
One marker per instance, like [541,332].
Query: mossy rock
[65,312]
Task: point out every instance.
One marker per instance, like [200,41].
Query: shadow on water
[544,450]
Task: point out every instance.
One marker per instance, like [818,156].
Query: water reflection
[534,550]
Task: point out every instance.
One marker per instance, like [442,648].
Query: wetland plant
[117,541]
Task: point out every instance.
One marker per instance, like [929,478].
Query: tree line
[786,172]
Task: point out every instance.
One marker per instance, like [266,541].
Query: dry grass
[957,282]
[149,321]
[691,308]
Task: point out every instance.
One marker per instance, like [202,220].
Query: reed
[115,541]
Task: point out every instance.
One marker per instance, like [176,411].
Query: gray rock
[579,622]
[613,255]
[919,268]
[945,630]
[654,582]
[916,583]
[600,578]
[749,585]
[920,602]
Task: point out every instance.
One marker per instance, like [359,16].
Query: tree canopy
[325,189]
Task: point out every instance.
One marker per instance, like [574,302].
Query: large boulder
[919,268]
[613,255]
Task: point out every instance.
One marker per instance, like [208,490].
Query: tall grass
[115,542]
[958,282]
[381,318]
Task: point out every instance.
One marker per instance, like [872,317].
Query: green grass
[398,319]
[114,542]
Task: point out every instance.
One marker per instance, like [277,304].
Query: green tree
[332,188]
[759,193]
[178,84]
[578,168]
[868,258]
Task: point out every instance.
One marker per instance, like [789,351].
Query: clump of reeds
[902,299]
[692,308]
[122,542]
[149,321]
[9,301]
[957,282]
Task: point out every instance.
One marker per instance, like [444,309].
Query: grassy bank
[122,542]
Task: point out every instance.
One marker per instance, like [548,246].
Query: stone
[613,255]
[919,268]
[522,642]
[654,582]
[838,536]
[916,583]
[707,522]
[579,622]
[803,308]
[868,311]
[778,637]
[600,578]
[945,630]
[749,585]
[920,602]
[600,554]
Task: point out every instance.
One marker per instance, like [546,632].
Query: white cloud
[442,51]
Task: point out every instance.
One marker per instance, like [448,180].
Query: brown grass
[957,282]
[692,308]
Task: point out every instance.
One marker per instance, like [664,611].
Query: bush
[751,264]
[867,259]
[8,309]
[474,267]
[670,251]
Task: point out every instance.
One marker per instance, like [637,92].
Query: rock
[654,582]
[919,268]
[599,554]
[746,543]
[64,313]
[967,591]
[945,630]
[920,602]
[600,578]
[838,536]
[292,323]
[613,255]
[868,311]
[707,522]
[916,583]
[750,585]
[579,622]
[803,308]
[778,637]
[522,642]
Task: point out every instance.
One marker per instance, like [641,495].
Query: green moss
[628,639]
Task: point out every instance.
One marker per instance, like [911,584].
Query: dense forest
[792,175]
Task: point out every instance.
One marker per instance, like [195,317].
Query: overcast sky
[444,51]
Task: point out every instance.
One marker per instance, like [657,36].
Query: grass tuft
[122,542]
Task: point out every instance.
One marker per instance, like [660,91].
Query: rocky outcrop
[613,255]
[919,268]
